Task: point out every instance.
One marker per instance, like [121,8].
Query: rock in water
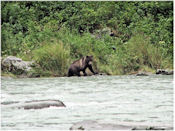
[9,102]
[38,104]
[94,125]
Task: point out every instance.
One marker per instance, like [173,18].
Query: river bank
[17,68]
[138,73]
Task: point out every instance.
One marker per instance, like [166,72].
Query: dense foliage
[56,33]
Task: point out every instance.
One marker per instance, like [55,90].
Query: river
[110,99]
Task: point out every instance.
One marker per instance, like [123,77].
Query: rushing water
[110,99]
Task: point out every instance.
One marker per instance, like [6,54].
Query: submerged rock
[94,125]
[9,102]
[37,104]
[164,72]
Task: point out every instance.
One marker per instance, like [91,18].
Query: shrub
[53,57]
[136,54]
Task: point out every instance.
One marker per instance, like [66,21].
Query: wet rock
[94,125]
[16,65]
[9,102]
[164,72]
[152,128]
[38,104]
[142,74]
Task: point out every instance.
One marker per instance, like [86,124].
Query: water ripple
[103,98]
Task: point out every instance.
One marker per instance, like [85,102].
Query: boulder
[94,125]
[164,72]
[35,104]
[16,65]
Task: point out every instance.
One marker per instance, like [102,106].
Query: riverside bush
[56,55]
[135,55]
[53,57]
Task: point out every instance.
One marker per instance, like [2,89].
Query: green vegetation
[52,57]
[56,33]
[8,74]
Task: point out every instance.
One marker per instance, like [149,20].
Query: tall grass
[137,54]
[142,52]
[53,57]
